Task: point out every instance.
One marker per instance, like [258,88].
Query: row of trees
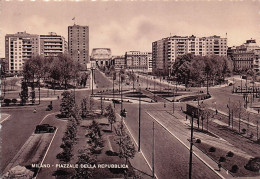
[190,69]
[60,70]
[68,140]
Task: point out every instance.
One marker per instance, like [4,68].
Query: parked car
[44,128]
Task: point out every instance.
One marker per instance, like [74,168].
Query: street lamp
[228,115]
[191,144]
[139,122]
[92,70]
[173,99]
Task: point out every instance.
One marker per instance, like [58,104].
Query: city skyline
[125,26]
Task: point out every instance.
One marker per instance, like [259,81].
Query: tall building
[137,60]
[166,50]
[246,56]
[78,43]
[52,44]
[102,56]
[20,47]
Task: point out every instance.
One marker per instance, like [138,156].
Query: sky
[133,25]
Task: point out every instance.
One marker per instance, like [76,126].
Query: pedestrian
[186,117]
[58,97]
[216,111]
[219,166]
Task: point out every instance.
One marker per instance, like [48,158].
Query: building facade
[136,60]
[78,43]
[102,56]
[166,50]
[20,47]
[119,62]
[246,56]
[52,45]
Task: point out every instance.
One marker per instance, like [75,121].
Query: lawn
[104,157]
[229,161]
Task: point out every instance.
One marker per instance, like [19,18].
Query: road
[19,127]
[171,157]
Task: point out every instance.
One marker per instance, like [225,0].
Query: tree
[95,138]
[67,104]
[84,108]
[76,114]
[110,114]
[127,148]
[24,93]
[132,77]
[32,70]
[83,159]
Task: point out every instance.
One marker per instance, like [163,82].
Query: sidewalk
[139,162]
[237,119]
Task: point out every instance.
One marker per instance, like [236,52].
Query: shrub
[198,141]
[234,169]
[222,159]
[111,153]
[253,164]
[244,131]
[7,101]
[14,101]
[230,154]
[212,149]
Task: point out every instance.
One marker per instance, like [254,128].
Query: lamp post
[154,88]
[173,99]
[92,70]
[228,106]
[153,153]
[191,144]
[139,122]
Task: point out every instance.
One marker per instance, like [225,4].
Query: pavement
[139,162]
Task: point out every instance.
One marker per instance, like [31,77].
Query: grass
[230,161]
[103,157]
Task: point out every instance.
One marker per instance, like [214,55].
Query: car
[44,128]
[116,101]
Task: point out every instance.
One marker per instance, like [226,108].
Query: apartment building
[20,47]
[166,50]
[136,60]
[78,43]
[52,44]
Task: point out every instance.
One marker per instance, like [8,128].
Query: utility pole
[114,73]
[154,88]
[139,122]
[153,153]
[173,99]
[92,80]
[191,143]
[257,130]
[101,103]
[121,94]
